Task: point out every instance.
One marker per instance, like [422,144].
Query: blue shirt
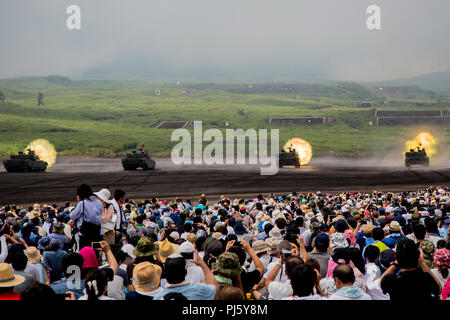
[192,291]
[60,287]
[53,259]
[93,209]
[392,240]
[60,237]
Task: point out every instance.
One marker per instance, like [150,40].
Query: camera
[187,255]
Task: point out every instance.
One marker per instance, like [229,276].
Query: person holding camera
[415,279]
[87,217]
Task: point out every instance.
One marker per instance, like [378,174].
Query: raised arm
[273,273]
[109,256]
[209,276]
[258,264]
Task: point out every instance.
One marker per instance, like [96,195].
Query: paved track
[60,182]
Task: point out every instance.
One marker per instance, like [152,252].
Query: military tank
[289,157]
[22,162]
[418,157]
[138,159]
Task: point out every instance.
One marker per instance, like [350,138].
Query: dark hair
[19,261]
[240,252]
[268,227]
[351,222]
[357,259]
[38,291]
[120,256]
[303,280]
[431,225]
[344,273]
[101,280]
[228,292]
[313,263]
[71,259]
[299,221]
[378,233]
[440,244]
[419,231]
[175,296]
[187,227]
[407,254]
[291,262]
[175,270]
[371,253]
[140,218]
[199,243]
[280,223]
[118,194]
[84,191]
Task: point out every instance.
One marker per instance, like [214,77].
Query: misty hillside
[436,81]
[20,87]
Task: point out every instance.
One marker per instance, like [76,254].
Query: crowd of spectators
[297,246]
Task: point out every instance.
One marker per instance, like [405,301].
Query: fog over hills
[225,41]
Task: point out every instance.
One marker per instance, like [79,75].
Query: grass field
[106,118]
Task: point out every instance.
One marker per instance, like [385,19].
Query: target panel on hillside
[297,121]
[171,124]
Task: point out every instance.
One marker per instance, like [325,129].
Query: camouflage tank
[21,162]
[139,159]
[289,158]
[418,157]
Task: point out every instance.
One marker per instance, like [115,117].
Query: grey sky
[256,40]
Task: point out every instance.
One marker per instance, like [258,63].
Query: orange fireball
[44,149]
[303,148]
[423,140]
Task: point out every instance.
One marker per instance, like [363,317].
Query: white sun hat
[104,194]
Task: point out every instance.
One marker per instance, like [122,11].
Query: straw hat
[191,237]
[103,194]
[8,278]
[166,248]
[146,276]
[33,254]
[260,246]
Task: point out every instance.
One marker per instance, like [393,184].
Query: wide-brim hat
[338,240]
[103,194]
[275,233]
[146,276]
[227,264]
[145,247]
[260,246]
[272,243]
[166,248]
[33,255]
[8,278]
[395,226]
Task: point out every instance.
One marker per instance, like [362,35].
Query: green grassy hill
[108,118]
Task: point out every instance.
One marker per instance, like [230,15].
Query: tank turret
[289,157]
[417,157]
[138,159]
[22,162]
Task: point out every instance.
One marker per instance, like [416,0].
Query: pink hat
[90,259]
[350,236]
[442,257]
